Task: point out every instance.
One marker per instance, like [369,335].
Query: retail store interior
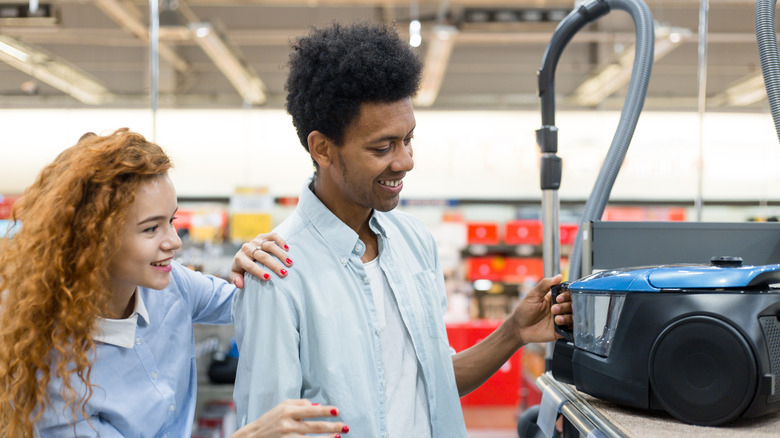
[206,82]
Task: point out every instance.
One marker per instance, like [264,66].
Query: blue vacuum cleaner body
[701,342]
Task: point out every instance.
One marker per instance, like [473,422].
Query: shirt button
[344,261]
[378,332]
[137,341]
[384,383]
[171,408]
[366,280]
[358,247]
[154,375]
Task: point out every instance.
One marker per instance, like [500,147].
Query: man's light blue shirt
[145,377]
[314,334]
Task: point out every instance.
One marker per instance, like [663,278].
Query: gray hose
[635,100]
[767,51]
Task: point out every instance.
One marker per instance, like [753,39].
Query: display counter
[588,416]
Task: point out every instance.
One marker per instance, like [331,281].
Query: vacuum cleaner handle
[562,330]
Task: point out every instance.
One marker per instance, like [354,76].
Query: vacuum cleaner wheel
[703,371]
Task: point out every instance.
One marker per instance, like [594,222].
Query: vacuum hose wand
[547,135]
[767,52]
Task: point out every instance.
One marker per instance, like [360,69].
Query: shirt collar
[342,239]
[121,332]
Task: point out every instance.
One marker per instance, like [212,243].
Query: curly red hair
[54,270]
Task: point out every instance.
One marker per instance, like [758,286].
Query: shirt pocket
[425,286]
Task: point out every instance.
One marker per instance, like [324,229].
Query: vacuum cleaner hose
[767,52]
[635,99]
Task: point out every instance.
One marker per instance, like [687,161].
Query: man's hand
[268,249]
[533,317]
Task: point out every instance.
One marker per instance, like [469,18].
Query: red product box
[482,233]
[523,232]
[485,268]
[503,388]
[568,233]
[521,269]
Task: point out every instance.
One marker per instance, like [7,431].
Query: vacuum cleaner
[701,342]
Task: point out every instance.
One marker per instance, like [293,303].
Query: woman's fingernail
[345,429]
[315,404]
[286,247]
[283,271]
[289,262]
[266,276]
[334,412]
[337,436]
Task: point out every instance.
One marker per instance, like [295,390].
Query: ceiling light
[746,91]
[244,79]
[52,70]
[612,77]
[436,59]
[415,38]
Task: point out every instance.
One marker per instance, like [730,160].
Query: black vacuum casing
[706,357]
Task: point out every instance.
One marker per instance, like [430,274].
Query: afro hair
[334,70]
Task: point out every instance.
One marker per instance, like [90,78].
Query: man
[358,322]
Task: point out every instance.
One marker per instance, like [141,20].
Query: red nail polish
[286,247]
[283,271]
[266,276]
[289,262]
[337,436]
[345,429]
[315,404]
[334,412]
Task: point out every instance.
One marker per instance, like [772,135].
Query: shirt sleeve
[267,328]
[210,297]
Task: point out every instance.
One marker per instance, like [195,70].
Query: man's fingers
[562,308]
[564,320]
[543,287]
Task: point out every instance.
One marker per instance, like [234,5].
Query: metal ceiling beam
[53,70]
[745,92]
[440,44]
[243,78]
[610,78]
[127,16]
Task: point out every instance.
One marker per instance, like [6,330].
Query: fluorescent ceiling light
[52,70]
[436,59]
[244,79]
[746,91]
[612,77]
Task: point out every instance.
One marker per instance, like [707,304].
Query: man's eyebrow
[391,137]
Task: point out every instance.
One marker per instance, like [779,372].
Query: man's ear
[320,148]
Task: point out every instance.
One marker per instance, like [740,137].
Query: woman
[96,317]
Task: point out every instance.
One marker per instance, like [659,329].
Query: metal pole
[551,248]
[702,99]
[154,62]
